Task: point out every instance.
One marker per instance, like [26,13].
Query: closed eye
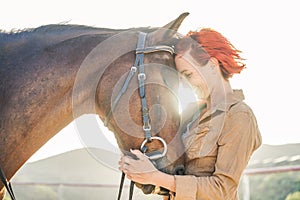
[187,75]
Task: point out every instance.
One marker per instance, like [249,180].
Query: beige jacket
[218,149]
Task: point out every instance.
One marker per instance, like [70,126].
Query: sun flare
[186,95]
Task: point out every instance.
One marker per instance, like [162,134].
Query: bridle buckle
[141,76]
[133,69]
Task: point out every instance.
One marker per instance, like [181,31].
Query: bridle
[140,51]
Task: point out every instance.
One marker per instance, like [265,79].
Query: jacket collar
[233,98]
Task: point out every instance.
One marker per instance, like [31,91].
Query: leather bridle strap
[122,91]
[7,184]
[139,63]
[121,185]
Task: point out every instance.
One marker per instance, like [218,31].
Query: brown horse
[53,74]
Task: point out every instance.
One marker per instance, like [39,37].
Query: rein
[140,51]
[7,185]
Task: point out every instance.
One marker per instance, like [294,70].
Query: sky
[266,31]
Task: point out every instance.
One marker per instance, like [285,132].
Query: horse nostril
[179,170]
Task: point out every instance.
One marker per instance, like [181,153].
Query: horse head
[142,107]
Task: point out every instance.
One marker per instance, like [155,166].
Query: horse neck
[36,95]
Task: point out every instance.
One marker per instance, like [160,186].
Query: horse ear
[165,33]
[174,25]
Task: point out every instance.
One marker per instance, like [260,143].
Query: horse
[53,74]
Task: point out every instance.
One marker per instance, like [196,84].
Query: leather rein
[141,50]
[7,185]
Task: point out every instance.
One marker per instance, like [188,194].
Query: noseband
[140,51]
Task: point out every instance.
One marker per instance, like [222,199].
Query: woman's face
[194,73]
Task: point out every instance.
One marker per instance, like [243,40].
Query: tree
[276,186]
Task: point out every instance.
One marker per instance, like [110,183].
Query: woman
[220,142]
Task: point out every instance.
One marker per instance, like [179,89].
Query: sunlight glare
[186,96]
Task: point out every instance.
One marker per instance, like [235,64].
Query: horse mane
[72,30]
[17,41]
[54,32]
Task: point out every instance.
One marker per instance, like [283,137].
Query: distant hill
[276,155]
[78,174]
[77,166]
[93,173]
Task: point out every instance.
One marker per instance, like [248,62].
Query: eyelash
[188,75]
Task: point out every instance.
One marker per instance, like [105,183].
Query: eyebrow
[183,71]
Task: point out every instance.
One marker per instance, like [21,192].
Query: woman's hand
[140,170]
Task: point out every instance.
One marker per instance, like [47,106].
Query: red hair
[215,45]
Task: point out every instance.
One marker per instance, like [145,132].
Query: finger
[121,163]
[121,159]
[127,160]
[124,167]
[138,154]
[136,151]
[121,168]
[125,171]
[128,176]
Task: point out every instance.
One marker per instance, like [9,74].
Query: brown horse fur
[38,71]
